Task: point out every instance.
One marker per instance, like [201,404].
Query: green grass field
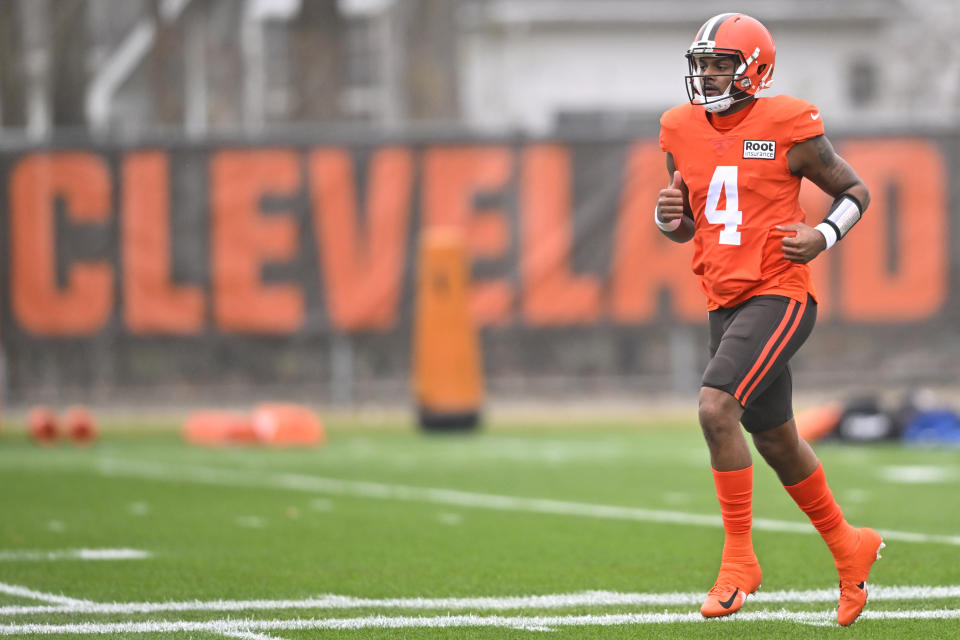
[594,528]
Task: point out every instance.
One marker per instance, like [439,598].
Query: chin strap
[719,105]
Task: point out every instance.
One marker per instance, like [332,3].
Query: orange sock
[814,497]
[735,493]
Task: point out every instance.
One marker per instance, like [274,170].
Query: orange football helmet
[742,37]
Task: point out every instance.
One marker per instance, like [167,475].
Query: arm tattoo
[833,174]
[825,152]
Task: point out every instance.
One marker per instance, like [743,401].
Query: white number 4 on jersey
[725,180]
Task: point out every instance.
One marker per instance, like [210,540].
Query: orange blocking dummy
[218,428]
[447,369]
[818,422]
[287,425]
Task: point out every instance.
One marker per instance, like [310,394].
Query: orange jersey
[740,188]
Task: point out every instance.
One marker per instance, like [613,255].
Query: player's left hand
[801,243]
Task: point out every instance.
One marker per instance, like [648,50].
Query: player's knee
[773,447]
[718,411]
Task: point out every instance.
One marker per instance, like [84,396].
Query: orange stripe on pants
[776,354]
[763,354]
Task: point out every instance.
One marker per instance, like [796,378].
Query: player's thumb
[676,180]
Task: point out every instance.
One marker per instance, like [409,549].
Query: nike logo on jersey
[729,603]
[814,116]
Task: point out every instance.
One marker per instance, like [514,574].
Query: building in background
[539,64]
[228,67]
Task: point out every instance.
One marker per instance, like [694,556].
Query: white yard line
[24,592]
[30,555]
[333,486]
[547,601]
[380,622]
[249,635]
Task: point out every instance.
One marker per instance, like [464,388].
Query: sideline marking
[547,601]
[380,622]
[73,554]
[333,486]
[24,592]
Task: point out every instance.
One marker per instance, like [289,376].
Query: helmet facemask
[737,89]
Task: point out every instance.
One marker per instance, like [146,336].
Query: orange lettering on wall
[906,177]
[152,303]
[41,306]
[242,239]
[453,178]
[552,295]
[815,204]
[644,262]
[362,269]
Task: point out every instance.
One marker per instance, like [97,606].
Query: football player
[735,162]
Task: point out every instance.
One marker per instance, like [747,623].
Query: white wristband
[829,233]
[665,226]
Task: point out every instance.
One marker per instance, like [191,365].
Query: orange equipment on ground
[79,425]
[218,428]
[447,368]
[287,425]
[818,422]
[273,424]
[43,426]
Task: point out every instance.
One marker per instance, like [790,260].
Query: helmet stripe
[713,25]
[700,33]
